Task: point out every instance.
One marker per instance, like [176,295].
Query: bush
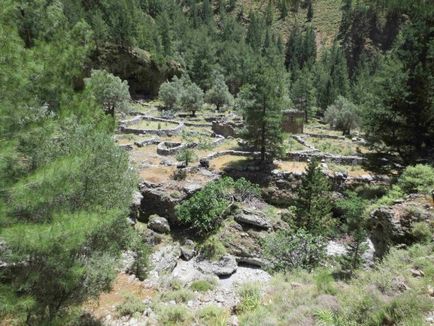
[202,285]
[324,282]
[179,296]
[186,155]
[213,316]
[250,298]
[287,250]
[422,232]
[131,306]
[205,210]
[174,315]
[418,178]
[212,248]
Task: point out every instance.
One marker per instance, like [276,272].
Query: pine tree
[254,35]
[309,15]
[303,94]
[313,201]
[262,103]
[269,14]
[206,12]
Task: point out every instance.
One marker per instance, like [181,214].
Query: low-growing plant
[250,297]
[186,155]
[202,285]
[418,178]
[212,248]
[213,316]
[422,231]
[131,306]
[179,296]
[324,282]
[174,315]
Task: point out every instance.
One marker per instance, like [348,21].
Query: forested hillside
[71,71]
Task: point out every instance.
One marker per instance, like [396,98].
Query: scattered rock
[225,266]
[188,249]
[254,218]
[417,273]
[158,224]
[165,259]
[192,188]
[204,163]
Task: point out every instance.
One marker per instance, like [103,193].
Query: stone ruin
[293,121]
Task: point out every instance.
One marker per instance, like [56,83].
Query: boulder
[165,259]
[392,225]
[253,218]
[188,250]
[225,266]
[158,224]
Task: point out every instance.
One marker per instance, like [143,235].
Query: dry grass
[222,162]
[122,286]
[291,166]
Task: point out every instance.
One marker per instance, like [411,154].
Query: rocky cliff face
[143,73]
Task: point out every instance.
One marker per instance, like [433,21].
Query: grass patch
[179,296]
[131,306]
[213,316]
[250,297]
[202,285]
[175,315]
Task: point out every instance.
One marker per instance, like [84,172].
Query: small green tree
[191,97]
[313,201]
[170,93]
[309,15]
[303,94]
[417,178]
[186,155]
[353,209]
[219,94]
[109,91]
[342,115]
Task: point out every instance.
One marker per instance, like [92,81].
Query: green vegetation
[418,178]
[132,306]
[342,115]
[202,285]
[206,209]
[186,156]
[250,298]
[313,202]
[288,250]
[213,316]
[212,248]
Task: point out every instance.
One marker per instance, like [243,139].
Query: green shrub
[287,250]
[212,248]
[205,210]
[186,155]
[174,315]
[131,306]
[179,296]
[202,285]
[250,298]
[422,232]
[418,178]
[213,316]
[324,282]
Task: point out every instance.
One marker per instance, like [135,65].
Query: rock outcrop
[158,224]
[392,225]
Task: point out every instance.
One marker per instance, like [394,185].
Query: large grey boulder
[254,218]
[158,224]
[165,259]
[225,266]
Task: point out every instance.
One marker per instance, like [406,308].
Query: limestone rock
[188,250]
[392,225]
[158,224]
[253,218]
[225,266]
[165,259]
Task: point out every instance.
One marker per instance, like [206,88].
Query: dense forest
[71,69]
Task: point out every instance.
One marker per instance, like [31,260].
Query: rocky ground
[176,259]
